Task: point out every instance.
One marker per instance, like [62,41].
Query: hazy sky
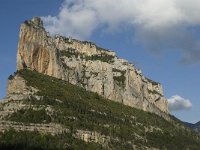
[161,37]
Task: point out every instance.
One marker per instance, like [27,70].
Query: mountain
[84,64]
[195,127]
[52,105]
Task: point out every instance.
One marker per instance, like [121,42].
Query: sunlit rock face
[84,64]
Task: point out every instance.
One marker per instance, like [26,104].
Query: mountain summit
[84,64]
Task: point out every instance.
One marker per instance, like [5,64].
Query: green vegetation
[11,77]
[13,140]
[69,53]
[80,109]
[120,80]
[173,142]
[88,42]
[102,57]
[30,115]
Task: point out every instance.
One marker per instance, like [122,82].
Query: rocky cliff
[84,64]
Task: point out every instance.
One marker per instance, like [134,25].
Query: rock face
[84,64]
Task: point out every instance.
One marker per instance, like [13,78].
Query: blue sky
[155,35]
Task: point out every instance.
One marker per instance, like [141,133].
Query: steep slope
[195,127]
[48,113]
[86,65]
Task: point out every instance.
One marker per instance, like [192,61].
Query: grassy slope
[81,109]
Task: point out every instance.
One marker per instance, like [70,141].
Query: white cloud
[157,24]
[177,103]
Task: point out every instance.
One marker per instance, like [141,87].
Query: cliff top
[38,23]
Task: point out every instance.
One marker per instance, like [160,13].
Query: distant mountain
[195,127]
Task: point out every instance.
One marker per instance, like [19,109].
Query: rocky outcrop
[84,64]
[51,128]
[90,136]
[17,86]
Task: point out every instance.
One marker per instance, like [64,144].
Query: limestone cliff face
[35,52]
[84,64]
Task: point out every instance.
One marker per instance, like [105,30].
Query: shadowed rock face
[84,64]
